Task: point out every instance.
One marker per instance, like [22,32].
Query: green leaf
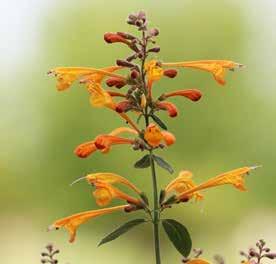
[143,162]
[163,164]
[159,122]
[121,230]
[178,235]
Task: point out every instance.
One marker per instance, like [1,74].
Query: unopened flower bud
[113,38]
[270,255]
[126,35]
[132,57]
[124,63]
[115,81]
[169,107]
[123,106]
[155,49]
[192,94]
[171,73]
[154,32]
[143,101]
[134,74]
[253,253]
[50,247]
[130,208]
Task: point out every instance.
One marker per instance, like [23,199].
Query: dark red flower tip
[169,107]
[115,81]
[114,37]
[134,74]
[171,73]
[123,106]
[192,94]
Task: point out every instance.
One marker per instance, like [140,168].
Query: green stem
[156,218]
[156,215]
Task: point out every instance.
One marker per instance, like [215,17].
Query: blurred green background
[231,126]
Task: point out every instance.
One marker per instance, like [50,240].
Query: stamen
[77,180]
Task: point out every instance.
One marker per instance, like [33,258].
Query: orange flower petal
[192,94]
[168,137]
[85,149]
[110,178]
[234,177]
[169,107]
[71,223]
[153,135]
[216,67]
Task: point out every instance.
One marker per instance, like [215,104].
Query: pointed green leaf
[121,230]
[159,122]
[163,164]
[178,235]
[143,162]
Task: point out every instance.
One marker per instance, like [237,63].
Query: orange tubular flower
[154,73]
[105,193]
[104,142]
[71,223]
[216,67]
[183,183]
[110,178]
[67,75]
[234,177]
[154,136]
[92,78]
[169,107]
[192,94]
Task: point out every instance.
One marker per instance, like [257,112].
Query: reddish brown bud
[115,81]
[113,38]
[271,255]
[154,32]
[123,106]
[171,73]
[134,74]
[169,107]
[192,94]
[126,35]
[155,49]
[124,63]
[112,93]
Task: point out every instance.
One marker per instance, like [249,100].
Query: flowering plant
[142,75]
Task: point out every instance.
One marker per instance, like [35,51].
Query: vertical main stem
[156,212]
[156,215]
